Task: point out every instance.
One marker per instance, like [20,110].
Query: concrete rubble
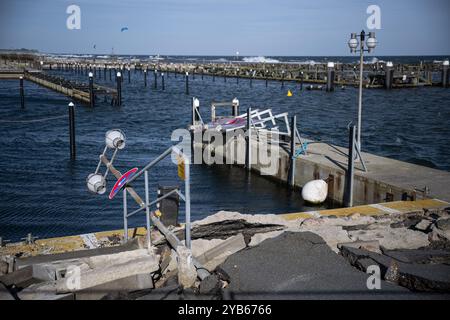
[255,256]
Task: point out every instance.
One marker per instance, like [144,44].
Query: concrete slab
[301,266]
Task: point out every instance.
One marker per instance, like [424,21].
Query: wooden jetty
[375,75]
[76,90]
[73,89]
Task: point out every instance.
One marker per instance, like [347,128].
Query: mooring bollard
[187,82]
[72,130]
[445,66]
[162,81]
[155,74]
[119,88]
[145,77]
[22,94]
[248,145]
[235,107]
[348,198]
[91,90]
[195,118]
[291,179]
[330,76]
[389,75]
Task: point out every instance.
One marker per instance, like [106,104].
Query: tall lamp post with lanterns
[364,46]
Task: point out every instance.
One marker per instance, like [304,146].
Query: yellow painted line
[409,206]
[65,244]
[372,210]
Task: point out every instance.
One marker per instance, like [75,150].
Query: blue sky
[220,27]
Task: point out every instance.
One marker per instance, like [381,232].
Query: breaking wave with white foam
[260,60]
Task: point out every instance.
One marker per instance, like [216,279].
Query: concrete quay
[385,179]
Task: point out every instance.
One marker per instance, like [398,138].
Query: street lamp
[364,46]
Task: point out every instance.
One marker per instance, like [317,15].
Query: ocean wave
[220,60]
[260,59]
[310,62]
[373,61]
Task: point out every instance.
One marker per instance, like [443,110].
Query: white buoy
[315,191]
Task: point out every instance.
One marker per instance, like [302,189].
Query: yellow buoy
[289,93]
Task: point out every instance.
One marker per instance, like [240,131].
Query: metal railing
[183,166]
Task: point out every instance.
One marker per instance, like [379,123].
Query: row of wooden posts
[387,74]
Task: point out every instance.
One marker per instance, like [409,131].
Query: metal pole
[129,76]
[145,77]
[155,74]
[292,152]
[445,66]
[119,88]
[187,195]
[361,66]
[125,213]
[187,82]
[248,158]
[301,81]
[162,81]
[330,77]
[72,130]
[22,95]
[348,201]
[91,91]
[147,210]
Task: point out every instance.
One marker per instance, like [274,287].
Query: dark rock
[443,224]
[227,228]
[356,227]
[417,277]
[3,268]
[392,273]
[408,222]
[420,256]
[211,285]
[5,294]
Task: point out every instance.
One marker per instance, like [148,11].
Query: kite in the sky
[124,29]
